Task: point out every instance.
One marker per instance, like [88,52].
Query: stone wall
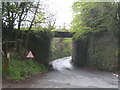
[79,52]
[99,51]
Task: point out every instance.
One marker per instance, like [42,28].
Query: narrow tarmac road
[66,75]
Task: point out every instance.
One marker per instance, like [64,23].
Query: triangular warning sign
[30,55]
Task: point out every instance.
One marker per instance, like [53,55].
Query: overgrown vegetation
[25,27]
[20,68]
[61,47]
[95,17]
[38,43]
[103,52]
[97,23]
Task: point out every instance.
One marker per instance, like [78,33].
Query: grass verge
[22,68]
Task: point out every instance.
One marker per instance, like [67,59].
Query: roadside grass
[22,68]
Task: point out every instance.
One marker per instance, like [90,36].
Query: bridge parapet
[63,34]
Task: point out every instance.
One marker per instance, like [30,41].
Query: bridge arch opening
[61,45]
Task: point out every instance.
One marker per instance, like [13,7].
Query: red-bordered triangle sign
[30,55]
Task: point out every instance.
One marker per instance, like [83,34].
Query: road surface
[66,75]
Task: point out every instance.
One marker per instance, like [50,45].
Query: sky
[63,11]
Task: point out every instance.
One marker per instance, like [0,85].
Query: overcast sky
[63,10]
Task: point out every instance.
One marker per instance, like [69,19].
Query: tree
[15,14]
[95,17]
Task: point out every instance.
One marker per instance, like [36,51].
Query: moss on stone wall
[39,43]
[99,50]
[102,51]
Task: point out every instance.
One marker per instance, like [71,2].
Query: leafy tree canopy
[22,15]
[95,17]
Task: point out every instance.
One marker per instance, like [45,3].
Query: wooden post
[5,58]
[5,63]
